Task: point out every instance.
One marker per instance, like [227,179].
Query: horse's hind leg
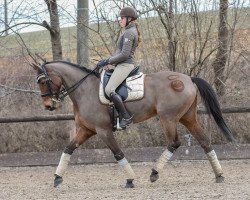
[82,134]
[190,121]
[170,131]
[108,137]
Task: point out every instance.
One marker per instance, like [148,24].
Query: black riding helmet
[129,12]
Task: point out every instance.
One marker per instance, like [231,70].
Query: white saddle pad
[136,83]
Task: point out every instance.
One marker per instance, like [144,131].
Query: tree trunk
[82,32]
[54,29]
[171,44]
[222,53]
[6,17]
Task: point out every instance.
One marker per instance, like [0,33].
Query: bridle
[48,81]
[58,97]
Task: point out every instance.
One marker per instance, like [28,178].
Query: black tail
[212,105]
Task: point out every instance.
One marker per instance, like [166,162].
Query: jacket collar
[130,25]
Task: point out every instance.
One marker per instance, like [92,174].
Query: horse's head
[50,85]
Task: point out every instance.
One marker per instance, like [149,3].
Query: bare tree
[54,29]
[82,32]
[166,14]
[222,53]
[172,42]
[19,20]
[6,17]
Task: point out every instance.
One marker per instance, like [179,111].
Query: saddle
[130,89]
[122,90]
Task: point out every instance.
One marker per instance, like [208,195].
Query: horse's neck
[72,75]
[69,74]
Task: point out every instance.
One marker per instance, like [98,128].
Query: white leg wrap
[214,163]
[126,166]
[165,156]
[63,164]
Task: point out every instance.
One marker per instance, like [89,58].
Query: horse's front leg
[109,139]
[82,134]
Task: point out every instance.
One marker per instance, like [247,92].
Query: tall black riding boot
[126,118]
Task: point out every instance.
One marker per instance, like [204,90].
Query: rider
[123,60]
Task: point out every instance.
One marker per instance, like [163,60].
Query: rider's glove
[103,62]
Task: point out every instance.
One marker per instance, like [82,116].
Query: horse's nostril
[47,107]
[50,108]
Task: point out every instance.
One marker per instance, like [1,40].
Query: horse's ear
[40,57]
[35,66]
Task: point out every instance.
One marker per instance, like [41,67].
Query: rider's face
[123,22]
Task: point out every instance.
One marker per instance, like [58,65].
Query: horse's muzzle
[52,105]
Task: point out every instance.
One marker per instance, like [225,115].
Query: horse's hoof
[130,183]
[57,181]
[154,176]
[220,179]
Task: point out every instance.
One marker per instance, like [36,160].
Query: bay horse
[170,95]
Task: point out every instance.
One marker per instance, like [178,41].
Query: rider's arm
[128,40]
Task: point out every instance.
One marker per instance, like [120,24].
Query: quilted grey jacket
[126,46]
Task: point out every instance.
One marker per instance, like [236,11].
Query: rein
[64,92]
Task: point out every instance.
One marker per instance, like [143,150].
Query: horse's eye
[42,82]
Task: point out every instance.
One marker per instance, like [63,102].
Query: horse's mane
[72,64]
